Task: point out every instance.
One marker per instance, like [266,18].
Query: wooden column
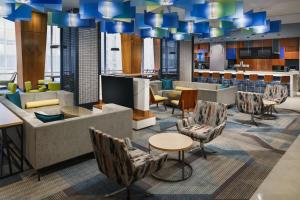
[132,47]
[31,49]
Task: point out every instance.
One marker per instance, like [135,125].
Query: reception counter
[294,76]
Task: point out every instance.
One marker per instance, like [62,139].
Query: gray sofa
[50,143]
[206,91]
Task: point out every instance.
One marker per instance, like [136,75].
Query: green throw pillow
[49,118]
[15,99]
[167,84]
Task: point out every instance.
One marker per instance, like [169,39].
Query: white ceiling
[286,10]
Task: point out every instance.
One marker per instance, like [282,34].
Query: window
[111,53]
[8,53]
[52,65]
[148,55]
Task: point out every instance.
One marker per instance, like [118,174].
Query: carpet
[244,157]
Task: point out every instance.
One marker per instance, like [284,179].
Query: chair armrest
[152,163]
[215,132]
[184,123]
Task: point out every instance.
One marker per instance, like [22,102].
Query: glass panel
[52,62]
[148,55]
[111,53]
[8,54]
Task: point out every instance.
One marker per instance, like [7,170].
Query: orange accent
[240,77]
[205,74]
[196,74]
[216,76]
[268,78]
[285,79]
[253,77]
[227,76]
[139,115]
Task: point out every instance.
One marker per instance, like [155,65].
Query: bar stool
[227,80]
[195,76]
[268,79]
[252,83]
[216,77]
[204,77]
[240,81]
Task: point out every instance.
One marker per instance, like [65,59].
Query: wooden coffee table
[173,142]
[74,111]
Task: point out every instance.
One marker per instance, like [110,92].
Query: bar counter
[294,76]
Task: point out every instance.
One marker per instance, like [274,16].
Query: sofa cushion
[167,84]
[48,118]
[160,98]
[15,98]
[37,104]
[178,88]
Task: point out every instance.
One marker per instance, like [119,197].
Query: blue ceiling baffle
[169,19]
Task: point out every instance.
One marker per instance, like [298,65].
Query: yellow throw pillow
[37,104]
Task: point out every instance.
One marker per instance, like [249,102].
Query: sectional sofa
[206,91]
[50,143]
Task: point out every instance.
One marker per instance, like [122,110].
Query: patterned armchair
[250,103]
[122,163]
[276,93]
[207,123]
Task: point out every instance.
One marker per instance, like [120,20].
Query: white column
[217,56]
[185,61]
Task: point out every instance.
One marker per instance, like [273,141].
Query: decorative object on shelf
[169,19]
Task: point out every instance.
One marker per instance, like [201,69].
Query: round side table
[173,142]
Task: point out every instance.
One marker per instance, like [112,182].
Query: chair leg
[116,192]
[128,193]
[253,120]
[203,151]
[173,110]
[165,106]
[157,105]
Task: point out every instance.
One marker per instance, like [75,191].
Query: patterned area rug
[244,156]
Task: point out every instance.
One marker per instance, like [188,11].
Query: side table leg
[2,154]
[22,149]
[4,135]
[183,165]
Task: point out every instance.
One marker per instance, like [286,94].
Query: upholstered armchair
[207,123]
[276,93]
[157,99]
[122,163]
[250,103]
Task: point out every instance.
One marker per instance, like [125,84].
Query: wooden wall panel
[157,44]
[132,47]
[136,54]
[291,46]
[126,53]
[31,49]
